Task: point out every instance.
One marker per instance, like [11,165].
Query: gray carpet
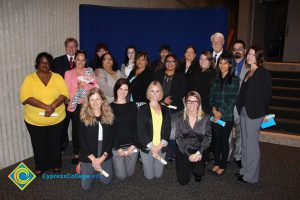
[279,179]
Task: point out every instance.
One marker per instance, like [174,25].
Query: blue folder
[270,122]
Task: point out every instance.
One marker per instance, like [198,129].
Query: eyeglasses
[238,49]
[171,61]
[192,102]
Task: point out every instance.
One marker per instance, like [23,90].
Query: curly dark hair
[41,55]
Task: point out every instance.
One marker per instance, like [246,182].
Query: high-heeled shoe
[198,179]
[238,175]
[215,168]
[74,160]
[240,178]
[220,172]
[38,172]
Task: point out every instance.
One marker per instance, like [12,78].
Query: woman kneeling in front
[96,138]
[193,136]
[154,127]
[125,152]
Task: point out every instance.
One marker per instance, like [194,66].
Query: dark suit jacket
[139,85]
[145,126]
[216,64]
[258,92]
[178,88]
[61,64]
[88,140]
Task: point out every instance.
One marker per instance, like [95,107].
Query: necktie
[215,59]
[71,63]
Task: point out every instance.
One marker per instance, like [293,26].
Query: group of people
[169,107]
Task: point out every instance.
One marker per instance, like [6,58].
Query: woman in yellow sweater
[154,127]
[42,94]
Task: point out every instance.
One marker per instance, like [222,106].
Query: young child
[88,82]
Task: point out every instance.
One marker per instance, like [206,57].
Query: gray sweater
[190,140]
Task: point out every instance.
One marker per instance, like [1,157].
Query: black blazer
[157,66]
[88,140]
[192,68]
[178,88]
[61,64]
[258,92]
[139,85]
[145,127]
[200,82]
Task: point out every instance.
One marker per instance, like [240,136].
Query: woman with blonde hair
[154,127]
[193,136]
[96,138]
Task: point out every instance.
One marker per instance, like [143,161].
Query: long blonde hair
[200,113]
[87,115]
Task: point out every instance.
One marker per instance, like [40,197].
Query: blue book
[220,122]
[270,122]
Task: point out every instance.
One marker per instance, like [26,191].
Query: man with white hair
[217,43]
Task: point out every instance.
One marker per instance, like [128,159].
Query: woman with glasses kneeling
[154,127]
[193,136]
[96,138]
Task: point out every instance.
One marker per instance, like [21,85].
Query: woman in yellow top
[42,94]
[154,127]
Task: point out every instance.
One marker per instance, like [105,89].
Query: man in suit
[60,65]
[240,70]
[217,43]
[66,62]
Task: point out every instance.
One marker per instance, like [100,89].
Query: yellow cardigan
[33,87]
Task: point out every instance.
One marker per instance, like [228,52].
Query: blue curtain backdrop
[147,29]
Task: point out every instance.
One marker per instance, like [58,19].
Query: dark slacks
[64,135]
[75,117]
[46,141]
[184,168]
[221,136]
